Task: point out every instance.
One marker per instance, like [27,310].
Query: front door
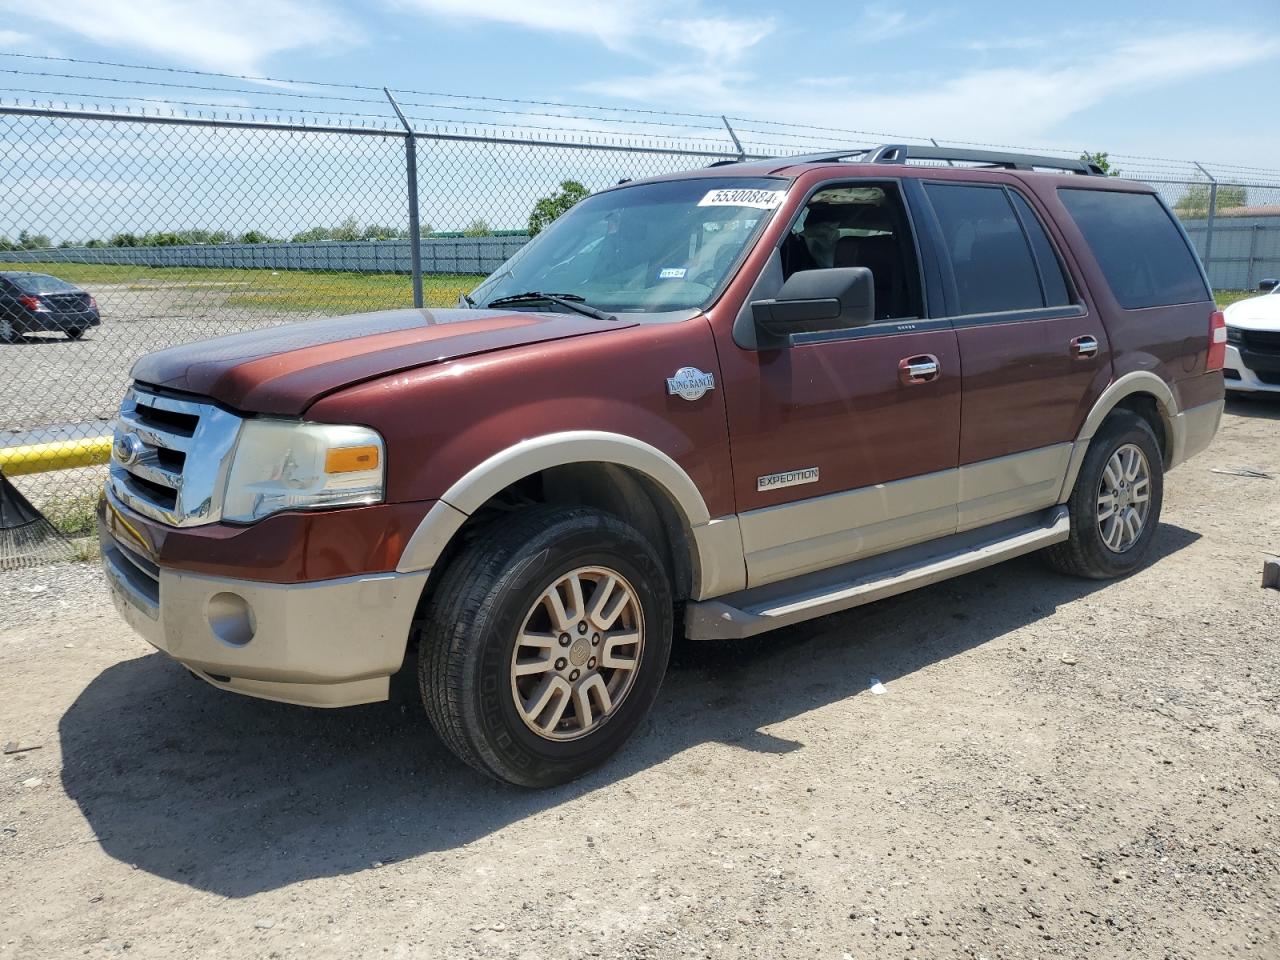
[845,444]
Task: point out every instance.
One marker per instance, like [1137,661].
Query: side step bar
[776,605]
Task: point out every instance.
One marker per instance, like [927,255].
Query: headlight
[286,465]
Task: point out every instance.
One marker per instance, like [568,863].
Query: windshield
[650,248]
[39,283]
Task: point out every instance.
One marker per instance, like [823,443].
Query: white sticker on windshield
[672,273]
[759,199]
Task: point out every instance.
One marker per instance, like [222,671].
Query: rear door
[1033,355]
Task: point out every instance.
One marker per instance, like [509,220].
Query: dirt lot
[1056,769]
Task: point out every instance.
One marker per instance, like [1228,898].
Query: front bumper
[1249,380]
[328,643]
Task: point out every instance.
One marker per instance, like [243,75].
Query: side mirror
[1266,286]
[815,301]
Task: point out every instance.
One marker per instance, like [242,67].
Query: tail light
[33,303]
[1216,358]
[93,302]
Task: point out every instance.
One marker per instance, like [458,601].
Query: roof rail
[901,153]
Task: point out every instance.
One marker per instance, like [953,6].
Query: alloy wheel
[578,653]
[1124,498]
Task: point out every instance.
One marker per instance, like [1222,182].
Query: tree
[314,235]
[125,240]
[478,228]
[1195,202]
[255,236]
[33,241]
[348,229]
[1102,159]
[548,208]
[375,232]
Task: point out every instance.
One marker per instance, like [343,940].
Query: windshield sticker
[759,199]
[672,273]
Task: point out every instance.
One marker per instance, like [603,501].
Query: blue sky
[1175,79]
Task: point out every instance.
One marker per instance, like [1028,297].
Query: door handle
[1085,346]
[924,368]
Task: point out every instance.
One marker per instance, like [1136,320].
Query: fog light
[231,619]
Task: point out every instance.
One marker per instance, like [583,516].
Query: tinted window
[1055,283]
[1143,255]
[993,266]
[40,283]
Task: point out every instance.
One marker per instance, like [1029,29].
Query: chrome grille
[170,455]
[133,573]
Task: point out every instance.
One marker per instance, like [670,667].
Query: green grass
[283,290]
[1226,298]
[74,516]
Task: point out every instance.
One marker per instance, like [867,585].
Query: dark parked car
[39,303]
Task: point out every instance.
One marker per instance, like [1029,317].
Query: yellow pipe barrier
[58,455]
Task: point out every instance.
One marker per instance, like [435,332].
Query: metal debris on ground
[1248,472]
[14,747]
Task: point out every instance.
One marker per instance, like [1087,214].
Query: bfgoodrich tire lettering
[482,605]
[1125,443]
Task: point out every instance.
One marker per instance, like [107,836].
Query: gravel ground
[1056,768]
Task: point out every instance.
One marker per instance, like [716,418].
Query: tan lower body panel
[793,539]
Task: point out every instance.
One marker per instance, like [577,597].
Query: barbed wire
[631,115]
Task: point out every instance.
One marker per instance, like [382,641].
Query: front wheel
[1115,505]
[545,644]
[8,332]
[74,333]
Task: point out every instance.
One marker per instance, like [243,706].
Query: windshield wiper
[570,301]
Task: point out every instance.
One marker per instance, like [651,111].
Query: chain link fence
[181,229]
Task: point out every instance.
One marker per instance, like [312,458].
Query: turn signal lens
[1216,358]
[351,459]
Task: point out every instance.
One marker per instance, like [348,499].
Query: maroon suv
[758,392]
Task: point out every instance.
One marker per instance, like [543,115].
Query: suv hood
[283,370]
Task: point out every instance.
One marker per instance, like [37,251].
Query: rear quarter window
[1145,258]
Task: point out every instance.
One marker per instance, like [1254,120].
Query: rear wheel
[8,334]
[75,333]
[1115,505]
[545,644]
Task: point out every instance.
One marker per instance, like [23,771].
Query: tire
[498,588]
[74,333]
[1087,552]
[8,333]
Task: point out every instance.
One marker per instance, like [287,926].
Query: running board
[757,610]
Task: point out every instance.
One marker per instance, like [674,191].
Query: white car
[1253,342]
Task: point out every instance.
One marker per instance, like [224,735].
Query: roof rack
[901,152]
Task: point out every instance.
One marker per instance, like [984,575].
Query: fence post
[1208,224]
[742,154]
[1253,253]
[411,177]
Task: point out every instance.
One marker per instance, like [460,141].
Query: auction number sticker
[759,199]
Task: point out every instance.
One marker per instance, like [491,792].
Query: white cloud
[879,23]
[13,40]
[1015,104]
[231,35]
[617,24]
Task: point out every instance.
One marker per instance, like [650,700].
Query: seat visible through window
[860,225]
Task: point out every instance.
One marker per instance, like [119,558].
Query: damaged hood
[283,370]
